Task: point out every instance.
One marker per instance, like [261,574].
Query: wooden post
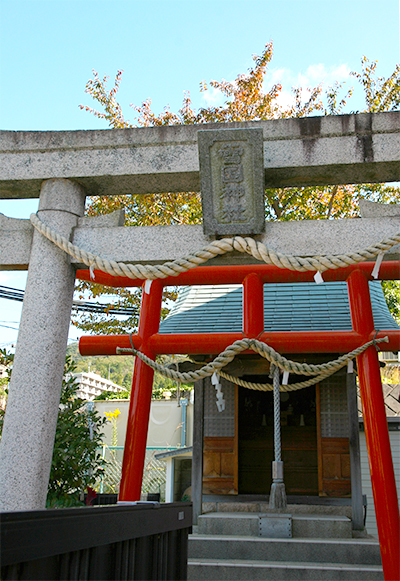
[139,407]
[376,429]
[355,460]
[197,457]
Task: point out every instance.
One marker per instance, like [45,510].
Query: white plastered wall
[164,425]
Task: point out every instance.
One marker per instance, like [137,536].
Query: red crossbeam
[214,343]
[235,274]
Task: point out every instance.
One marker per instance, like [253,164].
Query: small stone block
[232,181]
[275,526]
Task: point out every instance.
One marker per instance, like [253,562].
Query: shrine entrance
[299,441]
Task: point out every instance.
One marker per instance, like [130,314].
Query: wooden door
[220,443]
[298,436]
[334,477]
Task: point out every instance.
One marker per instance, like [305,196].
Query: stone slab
[232,181]
[321,526]
[358,148]
[157,244]
[15,243]
[243,524]
[374,209]
[350,551]
[296,525]
[206,569]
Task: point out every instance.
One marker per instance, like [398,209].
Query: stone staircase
[301,543]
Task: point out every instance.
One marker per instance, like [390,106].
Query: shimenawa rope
[215,248]
[218,247]
[321,371]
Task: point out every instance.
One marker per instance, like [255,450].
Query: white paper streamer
[147,286]
[318,277]
[375,272]
[215,378]
[220,396]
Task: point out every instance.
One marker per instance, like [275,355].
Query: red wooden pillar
[142,385]
[376,429]
[253,306]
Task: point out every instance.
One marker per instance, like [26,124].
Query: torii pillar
[27,441]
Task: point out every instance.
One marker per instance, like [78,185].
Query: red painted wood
[139,408]
[376,430]
[214,343]
[253,305]
[235,274]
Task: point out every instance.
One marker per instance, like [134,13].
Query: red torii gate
[252,277]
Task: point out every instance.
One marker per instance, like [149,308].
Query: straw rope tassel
[277,498]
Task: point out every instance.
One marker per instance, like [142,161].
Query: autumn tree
[244,99]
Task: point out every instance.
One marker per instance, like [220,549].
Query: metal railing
[154,473]
[145,541]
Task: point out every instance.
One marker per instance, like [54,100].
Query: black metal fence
[138,542]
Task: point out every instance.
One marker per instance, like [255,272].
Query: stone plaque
[232,181]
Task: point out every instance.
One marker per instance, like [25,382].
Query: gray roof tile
[287,307]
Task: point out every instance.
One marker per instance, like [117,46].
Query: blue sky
[48,49]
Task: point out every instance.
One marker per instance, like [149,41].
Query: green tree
[6,361]
[244,99]
[76,462]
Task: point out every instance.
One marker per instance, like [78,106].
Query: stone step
[248,524]
[263,507]
[321,526]
[238,570]
[350,551]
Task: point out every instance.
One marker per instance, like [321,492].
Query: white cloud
[317,74]
[212,97]
[314,75]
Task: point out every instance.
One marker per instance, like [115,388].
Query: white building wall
[165,425]
[366,478]
[90,385]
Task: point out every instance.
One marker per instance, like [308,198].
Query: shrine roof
[287,307]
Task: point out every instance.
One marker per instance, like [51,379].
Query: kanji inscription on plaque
[232,181]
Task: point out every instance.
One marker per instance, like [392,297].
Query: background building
[91,385]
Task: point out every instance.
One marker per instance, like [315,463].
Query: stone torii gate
[61,168]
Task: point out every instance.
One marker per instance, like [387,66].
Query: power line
[16,294]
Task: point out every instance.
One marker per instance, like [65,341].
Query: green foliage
[120,370]
[106,395]
[116,368]
[391,290]
[76,462]
[244,99]
[185,391]
[380,94]
[6,359]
